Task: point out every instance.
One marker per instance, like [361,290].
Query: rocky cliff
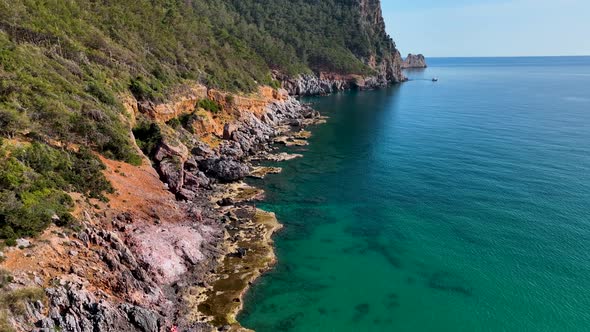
[388,71]
[414,61]
[383,59]
[326,83]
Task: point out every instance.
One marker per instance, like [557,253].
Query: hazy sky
[489,27]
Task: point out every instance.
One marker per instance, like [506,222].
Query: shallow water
[461,205]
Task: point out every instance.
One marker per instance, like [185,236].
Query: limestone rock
[73,308]
[182,102]
[228,130]
[145,320]
[23,243]
[225,169]
[202,150]
[172,173]
[414,61]
[168,149]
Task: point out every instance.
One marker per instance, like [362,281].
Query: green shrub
[229,99]
[135,159]
[209,105]
[5,278]
[174,123]
[35,211]
[101,93]
[85,175]
[140,89]
[34,181]
[10,242]
[275,84]
[70,171]
[187,121]
[148,136]
[12,122]
[6,232]
[144,90]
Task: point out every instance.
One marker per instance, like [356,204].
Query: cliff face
[380,55]
[414,61]
[384,57]
[388,71]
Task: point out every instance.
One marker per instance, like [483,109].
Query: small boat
[435,79]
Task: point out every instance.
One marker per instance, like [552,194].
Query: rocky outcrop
[180,102]
[74,308]
[414,61]
[170,158]
[387,72]
[247,137]
[225,169]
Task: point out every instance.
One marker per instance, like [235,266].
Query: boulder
[226,201]
[146,320]
[186,194]
[172,173]
[228,130]
[195,180]
[231,149]
[241,252]
[202,150]
[23,243]
[191,165]
[167,149]
[73,308]
[225,169]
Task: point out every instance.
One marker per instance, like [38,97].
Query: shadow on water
[448,282]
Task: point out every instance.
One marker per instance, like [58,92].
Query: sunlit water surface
[461,205]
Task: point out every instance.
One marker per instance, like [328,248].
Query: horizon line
[505,56]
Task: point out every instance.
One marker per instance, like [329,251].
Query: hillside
[65,64]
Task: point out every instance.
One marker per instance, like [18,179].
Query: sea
[456,205]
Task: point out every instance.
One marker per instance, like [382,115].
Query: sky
[439,28]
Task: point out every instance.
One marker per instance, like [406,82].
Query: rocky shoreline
[179,243]
[387,72]
[248,230]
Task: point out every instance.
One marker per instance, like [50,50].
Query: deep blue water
[460,205]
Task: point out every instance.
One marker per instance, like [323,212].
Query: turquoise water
[462,205]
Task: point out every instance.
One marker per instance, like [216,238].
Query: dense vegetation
[34,179]
[65,64]
[327,35]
